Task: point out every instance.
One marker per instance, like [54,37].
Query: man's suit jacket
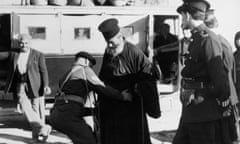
[36,71]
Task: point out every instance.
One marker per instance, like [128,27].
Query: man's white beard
[115,51]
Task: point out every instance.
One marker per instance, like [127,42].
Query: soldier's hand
[187,96]
[224,103]
[227,112]
[225,107]
[198,99]
[47,90]
[127,96]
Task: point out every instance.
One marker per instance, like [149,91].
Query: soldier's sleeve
[99,87]
[216,70]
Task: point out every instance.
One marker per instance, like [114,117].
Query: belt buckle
[65,99]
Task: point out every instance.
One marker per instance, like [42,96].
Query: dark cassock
[125,122]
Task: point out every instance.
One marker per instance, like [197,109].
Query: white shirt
[22,62]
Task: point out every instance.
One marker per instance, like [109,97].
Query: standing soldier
[168,59]
[205,86]
[237,60]
[229,62]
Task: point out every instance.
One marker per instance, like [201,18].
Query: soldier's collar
[199,28]
[202,29]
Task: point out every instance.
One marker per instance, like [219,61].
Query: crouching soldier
[68,111]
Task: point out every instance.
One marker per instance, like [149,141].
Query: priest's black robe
[125,122]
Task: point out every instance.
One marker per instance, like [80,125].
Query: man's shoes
[45,132]
[35,135]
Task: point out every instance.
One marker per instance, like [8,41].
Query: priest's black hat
[109,28]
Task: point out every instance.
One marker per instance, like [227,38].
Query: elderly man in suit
[28,77]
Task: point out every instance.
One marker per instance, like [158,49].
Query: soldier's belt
[192,84]
[68,97]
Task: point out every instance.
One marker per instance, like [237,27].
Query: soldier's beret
[87,56]
[109,28]
[198,5]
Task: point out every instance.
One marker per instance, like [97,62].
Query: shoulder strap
[61,85]
[85,82]
[67,78]
[95,113]
[86,85]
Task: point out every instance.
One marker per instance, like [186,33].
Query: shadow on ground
[164,136]
[16,121]
[24,139]
[14,128]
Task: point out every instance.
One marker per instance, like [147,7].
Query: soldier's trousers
[66,117]
[199,133]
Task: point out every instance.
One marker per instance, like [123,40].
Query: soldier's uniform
[204,89]
[205,73]
[205,81]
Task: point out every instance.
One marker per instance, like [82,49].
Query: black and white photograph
[37,32]
[81,33]
[119,72]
